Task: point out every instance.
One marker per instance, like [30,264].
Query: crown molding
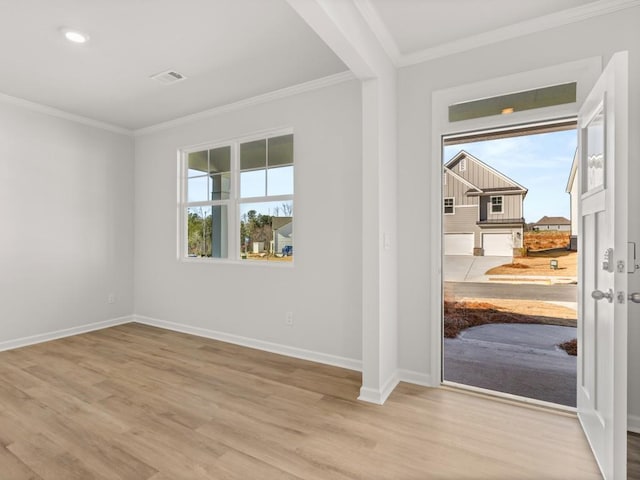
[539,24]
[249,102]
[54,112]
[379,29]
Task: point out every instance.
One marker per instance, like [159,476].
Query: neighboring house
[573,191]
[282,233]
[482,209]
[553,223]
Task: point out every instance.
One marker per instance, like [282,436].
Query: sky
[541,163]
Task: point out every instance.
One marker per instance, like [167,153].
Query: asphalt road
[549,293]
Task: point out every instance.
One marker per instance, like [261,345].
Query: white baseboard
[416,378]
[371,395]
[327,359]
[633,423]
[66,332]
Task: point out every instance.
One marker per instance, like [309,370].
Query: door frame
[584,72]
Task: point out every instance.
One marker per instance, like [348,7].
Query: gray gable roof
[553,221]
[462,154]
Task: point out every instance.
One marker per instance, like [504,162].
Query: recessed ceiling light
[507,111]
[74,36]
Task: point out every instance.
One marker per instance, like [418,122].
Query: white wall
[67,224]
[324,287]
[596,37]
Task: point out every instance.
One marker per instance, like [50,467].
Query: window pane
[220,160]
[207,231]
[281,150]
[198,189]
[220,186]
[280,181]
[253,155]
[198,163]
[252,183]
[219,231]
[266,231]
[199,231]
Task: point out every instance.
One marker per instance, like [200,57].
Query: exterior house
[282,233]
[560,224]
[482,209]
[572,190]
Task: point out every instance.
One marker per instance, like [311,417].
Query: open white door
[602,326]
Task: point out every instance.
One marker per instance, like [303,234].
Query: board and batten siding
[511,207]
[454,188]
[463,221]
[480,175]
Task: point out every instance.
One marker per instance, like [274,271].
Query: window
[463,165]
[237,200]
[448,206]
[496,204]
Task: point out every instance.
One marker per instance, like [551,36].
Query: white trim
[453,205]
[633,423]
[379,29]
[416,378]
[295,352]
[55,112]
[501,197]
[378,397]
[510,397]
[468,156]
[250,102]
[66,332]
[462,179]
[515,30]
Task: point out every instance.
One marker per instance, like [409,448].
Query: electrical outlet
[111,298]
[288,319]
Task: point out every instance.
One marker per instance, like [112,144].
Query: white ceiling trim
[249,102]
[54,112]
[515,30]
[379,29]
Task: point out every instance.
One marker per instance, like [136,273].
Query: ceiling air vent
[168,77]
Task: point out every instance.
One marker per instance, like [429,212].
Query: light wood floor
[633,456]
[135,402]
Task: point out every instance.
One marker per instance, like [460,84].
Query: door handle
[634,297]
[599,295]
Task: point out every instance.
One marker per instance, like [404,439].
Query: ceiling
[229,50]
[417,25]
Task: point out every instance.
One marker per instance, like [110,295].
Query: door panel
[500,244]
[458,244]
[602,322]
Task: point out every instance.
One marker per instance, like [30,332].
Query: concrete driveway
[520,359]
[468,268]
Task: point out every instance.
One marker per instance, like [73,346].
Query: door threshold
[509,398]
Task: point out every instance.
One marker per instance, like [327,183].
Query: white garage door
[497,244]
[458,243]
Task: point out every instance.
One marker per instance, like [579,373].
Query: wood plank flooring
[633,456]
[136,402]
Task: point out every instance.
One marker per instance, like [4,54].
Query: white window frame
[463,165]
[501,197]
[453,205]
[233,203]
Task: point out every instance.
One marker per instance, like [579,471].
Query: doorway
[509,237]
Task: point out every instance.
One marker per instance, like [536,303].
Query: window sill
[228,261]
